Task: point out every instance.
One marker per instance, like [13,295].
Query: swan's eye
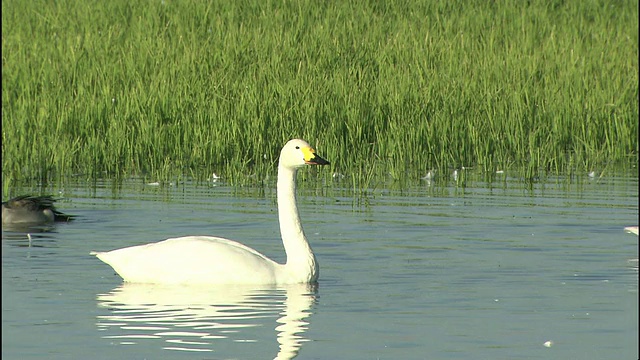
[298,147]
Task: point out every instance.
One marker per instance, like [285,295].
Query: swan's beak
[310,157]
[317,160]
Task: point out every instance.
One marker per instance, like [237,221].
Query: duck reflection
[20,230]
[29,238]
[193,318]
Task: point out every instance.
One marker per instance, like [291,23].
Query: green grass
[160,89]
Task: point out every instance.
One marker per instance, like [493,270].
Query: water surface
[429,272]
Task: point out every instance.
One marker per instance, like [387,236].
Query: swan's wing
[191,259]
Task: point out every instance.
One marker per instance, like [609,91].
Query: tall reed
[187,88]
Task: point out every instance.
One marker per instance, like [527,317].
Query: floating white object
[631,229]
[214,260]
[214,177]
[431,174]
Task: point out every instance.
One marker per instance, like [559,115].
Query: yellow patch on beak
[309,153]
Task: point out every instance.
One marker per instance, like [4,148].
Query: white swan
[214,260]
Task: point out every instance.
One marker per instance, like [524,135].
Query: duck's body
[27,209]
[214,260]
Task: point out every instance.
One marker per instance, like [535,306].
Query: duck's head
[297,153]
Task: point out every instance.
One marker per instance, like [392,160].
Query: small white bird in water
[631,229]
[214,260]
[32,210]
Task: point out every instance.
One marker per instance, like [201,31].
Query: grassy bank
[161,88]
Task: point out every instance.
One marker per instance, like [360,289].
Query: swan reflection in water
[197,318]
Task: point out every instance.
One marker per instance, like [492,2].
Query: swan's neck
[300,258]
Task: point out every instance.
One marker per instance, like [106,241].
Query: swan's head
[297,153]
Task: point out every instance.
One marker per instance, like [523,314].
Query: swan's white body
[214,260]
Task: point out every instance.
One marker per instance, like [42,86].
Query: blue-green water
[430,272]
